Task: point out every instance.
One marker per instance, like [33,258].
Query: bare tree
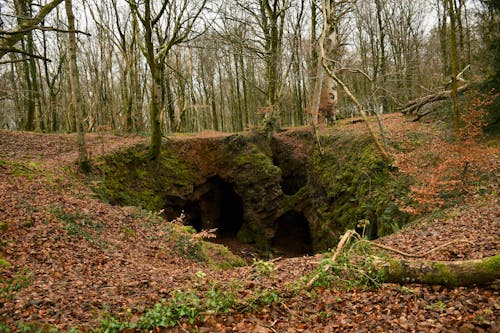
[329,8]
[26,24]
[454,65]
[76,101]
[158,40]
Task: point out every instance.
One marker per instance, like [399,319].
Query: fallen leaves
[74,258]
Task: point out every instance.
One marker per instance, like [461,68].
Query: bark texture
[449,273]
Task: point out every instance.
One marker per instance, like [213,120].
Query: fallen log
[448,273]
[414,106]
[478,272]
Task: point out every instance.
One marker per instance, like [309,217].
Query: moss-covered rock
[348,183]
[130,177]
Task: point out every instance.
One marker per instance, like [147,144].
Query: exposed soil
[119,261]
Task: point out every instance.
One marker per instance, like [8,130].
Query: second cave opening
[292,237]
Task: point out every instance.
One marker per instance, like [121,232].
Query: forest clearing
[249,166]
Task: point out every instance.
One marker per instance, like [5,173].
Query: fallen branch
[449,273]
[414,106]
[347,236]
[404,254]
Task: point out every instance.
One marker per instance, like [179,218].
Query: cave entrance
[215,204]
[292,237]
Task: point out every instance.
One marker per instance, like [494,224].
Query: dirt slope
[67,259]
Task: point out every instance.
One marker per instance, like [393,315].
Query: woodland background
[207,65]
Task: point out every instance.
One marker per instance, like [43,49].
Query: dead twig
[345,238]
[404,254]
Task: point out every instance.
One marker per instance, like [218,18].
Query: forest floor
[68,260]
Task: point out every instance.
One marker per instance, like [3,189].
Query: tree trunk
[154,114]
[454,66]
[76,102]
[383,57]
[449,273]
[329,32]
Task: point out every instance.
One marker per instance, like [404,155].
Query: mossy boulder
[130,177]
[182,176]
[333,191]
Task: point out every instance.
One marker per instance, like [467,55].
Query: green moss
[356,184]
[350,182]
[187,244]
[258,164]
[440,274]
[245,234]
[219,256]
[491,264]
[189,229]
[4,263]
[21,169]
[129,177]
[291,201]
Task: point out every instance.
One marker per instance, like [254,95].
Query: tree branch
[43,28]
[14,50]
[9,41]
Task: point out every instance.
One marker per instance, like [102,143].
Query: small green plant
[264,268]
[35,328]
[439,306]
[349,267]
[4,263]
[110,323]
[167,314]
[357,268]
[263,298]
[364,223]
[488,311]
[406,290]
[128,231]
[80,225]
[324,315]
[188,247]
[3,226]
[219,301]
[325,277]
[8,287]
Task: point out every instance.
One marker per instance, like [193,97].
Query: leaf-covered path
[67,259]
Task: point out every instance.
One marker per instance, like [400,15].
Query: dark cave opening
[215,204]
[292,237]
